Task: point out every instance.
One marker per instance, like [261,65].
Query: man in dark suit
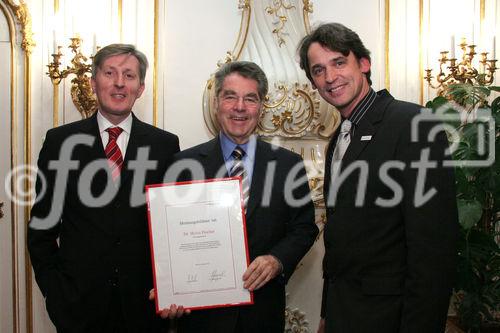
[279,231]
[88,236]
[391,232]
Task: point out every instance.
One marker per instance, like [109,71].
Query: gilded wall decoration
[81,90]
[24,19]
[278,10]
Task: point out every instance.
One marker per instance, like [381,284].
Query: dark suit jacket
[101,248]
[390,269]
[277,228]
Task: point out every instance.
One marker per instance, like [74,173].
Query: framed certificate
[198,243]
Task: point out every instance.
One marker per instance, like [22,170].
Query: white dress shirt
[125,125]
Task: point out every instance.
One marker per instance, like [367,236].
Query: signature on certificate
[191,278]
[215,275]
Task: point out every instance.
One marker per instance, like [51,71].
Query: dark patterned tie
[238,170]
[113,153]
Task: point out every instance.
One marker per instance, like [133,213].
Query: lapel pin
[366,138]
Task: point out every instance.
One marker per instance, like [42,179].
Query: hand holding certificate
[198,243]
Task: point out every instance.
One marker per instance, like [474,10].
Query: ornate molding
[295,321]
[24,18]
[290,111]
[306,10]
[277,10]
[246,8]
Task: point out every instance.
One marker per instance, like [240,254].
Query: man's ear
[364,65]
[141,90]
[92,83]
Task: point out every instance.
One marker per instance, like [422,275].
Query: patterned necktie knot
[346,127]
[114,132]
[238,153]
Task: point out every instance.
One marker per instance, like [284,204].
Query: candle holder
[81,89]
[451,71]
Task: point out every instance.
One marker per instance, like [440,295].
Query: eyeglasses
[248,101]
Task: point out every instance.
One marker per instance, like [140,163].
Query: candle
[94,43]
[452,55]
[494,48]
[54,37]
[472,36]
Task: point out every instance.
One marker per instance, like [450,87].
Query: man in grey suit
[391,232]
[279,212]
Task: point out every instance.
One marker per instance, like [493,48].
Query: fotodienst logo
[476,126]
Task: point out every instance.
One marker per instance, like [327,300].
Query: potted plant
[477,289]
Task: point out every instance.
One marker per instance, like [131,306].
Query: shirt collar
[228,146]
[104,124]
[363,106]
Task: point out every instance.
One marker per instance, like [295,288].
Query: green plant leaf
[436,103]
[469,212]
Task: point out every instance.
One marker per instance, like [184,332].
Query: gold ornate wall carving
[24,19]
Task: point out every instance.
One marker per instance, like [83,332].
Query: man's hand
[260,271]
[321,326]
[173,312]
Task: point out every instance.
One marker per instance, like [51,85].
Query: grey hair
[247,69]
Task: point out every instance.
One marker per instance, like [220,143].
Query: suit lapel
[367,128]
[212,159]
[96,151]
[263,155]
[138,138]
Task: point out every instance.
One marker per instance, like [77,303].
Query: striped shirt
[360,109]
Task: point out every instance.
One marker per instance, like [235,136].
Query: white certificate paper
[198,243]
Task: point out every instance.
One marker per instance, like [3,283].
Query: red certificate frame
[199,246]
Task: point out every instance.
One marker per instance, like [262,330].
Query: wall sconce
[81,90]
[463,72]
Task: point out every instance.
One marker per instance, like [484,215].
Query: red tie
[113,153]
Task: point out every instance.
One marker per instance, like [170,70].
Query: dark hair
[118,49]
[247,69]
[335,37]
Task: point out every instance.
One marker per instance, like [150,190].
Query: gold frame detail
[13,158]
[387,46]
[306,10]
[155,64]
[21,14]
[24,18]
[420,52]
